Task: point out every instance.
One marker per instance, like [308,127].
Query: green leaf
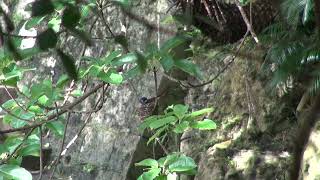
[9,104]
[71,16]
[14,172]
[167,62]
[142,62]
[180,110]
[189,67]
[148,162]
[63,79]
[12,142]
[76,93]
[201,112]
[47,39]
[183,163]
[146,123]
[68,64]
[172,43]
[206,124]
[161,122]
[36,109]
[125,59]
[43,100]
[150,175]
[30,150]
[54,24]
[180,128]
[57,127]
[111,56]
[85,9]
[111,77]
[33,22]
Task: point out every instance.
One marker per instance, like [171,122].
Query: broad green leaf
[111,56]
[162,122]
[3,149]
[189,67]
[146,123]
[43,100]
[172,43]
[148,162]
[36,109]
[27,115]
[71,16]
[206,124]
[183,163]
[14,172]
[111,77]
[167,62]
[54,24]
[12,142]
[68,64]
[47,39]
[151,174]
[125,59]
[142,62]
[42,7]
[9,104]
[171,158]
[180,110]
[201,112]
[57,127]
[180,128]
[30,150]
[33,22]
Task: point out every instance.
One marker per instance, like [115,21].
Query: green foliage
[176,119]
[167,166]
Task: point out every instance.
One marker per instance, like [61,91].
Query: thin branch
[41,154]
[248,24]
[10,95]
[11,114]
[224,68]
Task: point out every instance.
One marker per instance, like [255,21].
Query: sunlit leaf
[14,172]
[147,162]
[206,124]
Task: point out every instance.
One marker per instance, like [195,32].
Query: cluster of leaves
[295,45]
[176,119]
[37,103]
[167,168]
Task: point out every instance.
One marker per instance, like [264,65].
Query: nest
[223,21]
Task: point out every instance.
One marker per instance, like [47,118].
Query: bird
[147,106]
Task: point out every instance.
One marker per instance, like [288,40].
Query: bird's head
[143,100]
